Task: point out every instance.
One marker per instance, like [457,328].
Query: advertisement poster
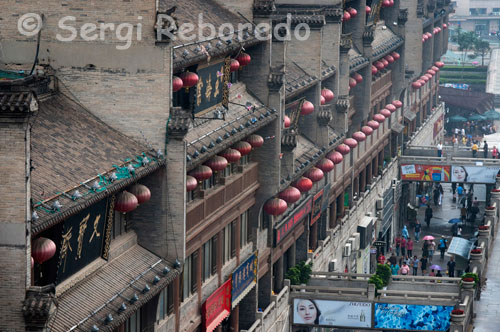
[332,313]
[244,278]
[438,126]
[474,174]
[412,317]
[413,172]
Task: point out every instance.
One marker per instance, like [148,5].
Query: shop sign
[284,228]
[418,172]
[316,206]
[474,174]
[244,278]
[332,313]
[379,243]
[410,317]
[217,307]
[85,237]
[212,89]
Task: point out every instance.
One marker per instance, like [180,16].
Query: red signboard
[417,172]
[316,208]
[288,225]
[217,307]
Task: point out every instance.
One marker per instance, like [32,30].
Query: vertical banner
[244,278]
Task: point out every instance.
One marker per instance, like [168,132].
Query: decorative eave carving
[178,124]
[276,78]
[263,8]
[39,305]
[289,140]
[345,42]
[368,35]
[403,16]
[333,15]
[342,104]
[325,115]
[312,21]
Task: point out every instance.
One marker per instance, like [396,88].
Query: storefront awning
[397,128]
[217,307]
[409,115]
[461,247]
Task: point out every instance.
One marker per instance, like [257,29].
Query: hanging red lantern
[429,34]
[353,12]
[351,142]
[140,191]
[235,65]
[343,149]
[373,124]
[42,249]
[256,141]
[389,58]
[275,206]
[432,72]
[424,78]
[231,155]
[335,156]
[385,62]
[397,103]
[379,118]
[429,76]
[379,65]
[189,79]
[286,121]
[368,9]
[177,83]
[359,136]
[346,17]
[445,26]
[315,174]
[386,3]
[244,59]
[358,77]
[439,64]
[126,202]
[374,70]
[322,100]
[425,37]
[32,262]
[303,184]
[416,85]
[244,147]
[436,69]
[217,163]
[307,108]
[422,82]
[395,55]
[367,130]
[352,82]
[423,40]
[385,112]
[391,108]
[290,195]
[392,2]
[191,183]
[327,94]
[326,165]
[202,173]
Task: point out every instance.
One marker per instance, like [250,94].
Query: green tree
[481,48]
[384,272]
[465,41]
[299,274]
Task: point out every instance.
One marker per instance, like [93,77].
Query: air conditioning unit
[357,237]
[379,215]
[352,242]
[331,265]
[394,182]
[347,250]
[380,204]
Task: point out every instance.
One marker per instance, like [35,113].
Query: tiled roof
[384,41]
[18,102]
[103,292]
[327,70]
[306,152]
[356,60]
[297,79]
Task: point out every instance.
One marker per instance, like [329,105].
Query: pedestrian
[457,132]
[463,131]
[438,274]
[415,262]
[393,259]
[460,192]
[423,264]
[425,248]
[451,267]
[405,269]
[441,193]
[440,149]
[381,259]
[394,269]
[432,273]
[442,246]
[397,242]
[418,228]
[404,232]
[428,215]
[464,140]
[475,148]
[485,147]
[432,248]
[459,231]
[403,246]
[409,247]
[494,152]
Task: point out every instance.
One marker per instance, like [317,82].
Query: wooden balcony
[222,195]
[381,84]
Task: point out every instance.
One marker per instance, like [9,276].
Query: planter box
[457,318]
[468,284]
[476,257]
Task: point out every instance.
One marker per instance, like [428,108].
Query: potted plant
[299,274]
[490,208]
[476,254]
[377,281]
[384,272]
[468,283]
[484,227]
[457,315]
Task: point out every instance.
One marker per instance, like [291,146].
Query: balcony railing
[380,84]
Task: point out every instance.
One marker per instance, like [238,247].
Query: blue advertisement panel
[412,317]
[243,279]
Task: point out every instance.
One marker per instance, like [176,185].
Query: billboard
[411,317]
[474,174]
[332,313]
[416,172]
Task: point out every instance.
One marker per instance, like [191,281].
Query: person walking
[425,248]
[428,215]
[394,269]
[409,247]
[405,269]
[494,152]
[460,193]
[393,259]
[442,246]
[475,148]
[418,228]
[423,265]
[440,149]
[451,267]
[432,248]
[485,147]
[415,262]
[397,242]
[381,259]
[405,233]
[403,246]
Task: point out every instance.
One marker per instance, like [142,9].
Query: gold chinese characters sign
[83,238]
[212,89]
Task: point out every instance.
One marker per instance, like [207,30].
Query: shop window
[209,258]
[229,250]
[189,276]
[244,229]
[165,303]
[133,323]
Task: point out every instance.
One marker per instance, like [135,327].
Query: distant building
[481,16]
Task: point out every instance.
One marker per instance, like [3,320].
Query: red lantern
[177,83]
[429,34]
[191,183]
[373,124]
[445,26]
[358,77]
[322,100]
[439,64]
[424,78]
[244,59]
[243,147]
[367,130]
[395,55]
[385,62]
[397,103]
[126,202]
[391,3]
[429,76]
[231,155]
[353,12]
[432,72]
[359,136]
[374,70]
[422,82]
[386,3]
[351,142]
[256,141]
[425,37]
[391,108]
[379,65]
[235,65]
[42,249]
[314,174]
[303,184]
[202,173]
[275,206]
[307,108]
[389,58]
[352,82]
[335,156]
[217,163]
[346,17]
[423,40]
[436,69]
[368,9]
[327,94]
[290,195]
[32,262]
[379,118]
[385,112]
[326,165]
[286,121]
[142,193]
[189,79]
[434,31]
[416,85]
[343,148]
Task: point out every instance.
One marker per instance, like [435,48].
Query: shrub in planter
[384,272]
[470,275]
[457,312]
[377,281]
[476,251]
[299,274]
[468,279]
[490,208]
[496,190]
[484,228]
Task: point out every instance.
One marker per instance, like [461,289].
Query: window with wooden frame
[229,250]
[209,252]
[244,229]
[165,303]
[189,285]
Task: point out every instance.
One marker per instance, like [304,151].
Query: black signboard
[379,243]
[84,238]
[213,86]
